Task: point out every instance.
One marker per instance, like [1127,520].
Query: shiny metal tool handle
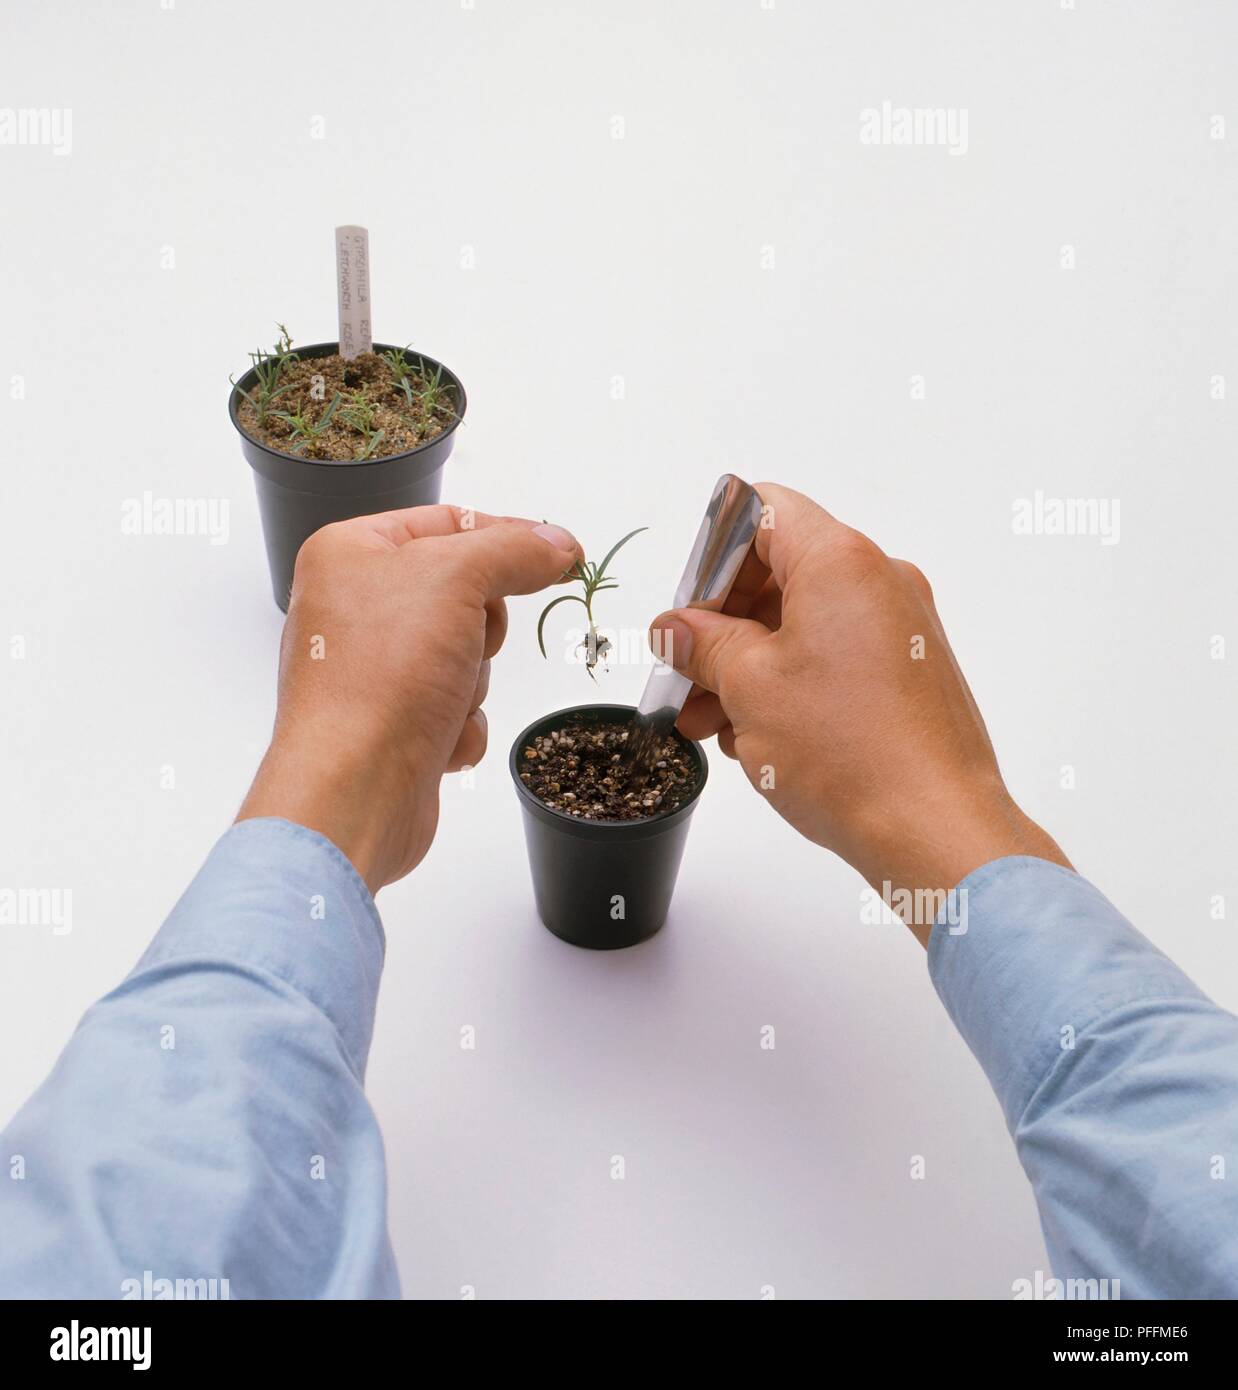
[724,574]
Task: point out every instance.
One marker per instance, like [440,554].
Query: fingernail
[557,536]
[671,641]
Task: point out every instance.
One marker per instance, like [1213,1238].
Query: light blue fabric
[240,1145]
[207,1119]
[1117,1076]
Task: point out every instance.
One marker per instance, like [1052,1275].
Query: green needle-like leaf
[325,418]
[600,570]
[554,603]
[592,579]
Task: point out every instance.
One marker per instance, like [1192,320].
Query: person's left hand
[384,664]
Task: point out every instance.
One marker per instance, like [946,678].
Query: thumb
[701,644]
[515,557]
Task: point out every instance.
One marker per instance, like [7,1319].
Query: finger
[422,523]
[406,524]
[792,528]
[766,608]
[414,523]
[750,579]
[701,645]
[511,557]
[702,715]
[726,741]
[470,747]
[496,626]
[481,689]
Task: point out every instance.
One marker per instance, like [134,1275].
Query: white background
[490,128]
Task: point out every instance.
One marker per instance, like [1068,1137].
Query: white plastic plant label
[352,269]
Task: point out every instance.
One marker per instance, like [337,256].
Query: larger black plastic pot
[601,884]
[297,496]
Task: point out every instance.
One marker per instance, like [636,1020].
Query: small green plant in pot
[605,838]
[332,433]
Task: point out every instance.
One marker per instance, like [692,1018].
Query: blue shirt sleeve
[207,1119]
[1117,1076]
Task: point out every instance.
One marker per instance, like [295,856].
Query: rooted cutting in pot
[341,429]
[328,409]
[300,492]
[581,770]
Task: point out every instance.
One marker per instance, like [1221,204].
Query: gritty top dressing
[580,770]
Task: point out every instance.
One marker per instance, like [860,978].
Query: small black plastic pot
[587,871]
[297,496]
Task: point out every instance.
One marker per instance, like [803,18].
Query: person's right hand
[844,704]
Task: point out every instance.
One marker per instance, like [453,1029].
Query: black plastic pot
[297,496]
[584,870]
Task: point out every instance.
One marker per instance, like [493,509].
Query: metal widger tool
[724,573]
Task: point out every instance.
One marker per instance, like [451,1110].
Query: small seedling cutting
[360,415]
[303,428]
[269,368]
[593,579]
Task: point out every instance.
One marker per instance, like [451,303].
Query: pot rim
[248,378]
[632,829]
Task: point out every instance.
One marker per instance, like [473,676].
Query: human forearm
[1117,1076]
[207,1119]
